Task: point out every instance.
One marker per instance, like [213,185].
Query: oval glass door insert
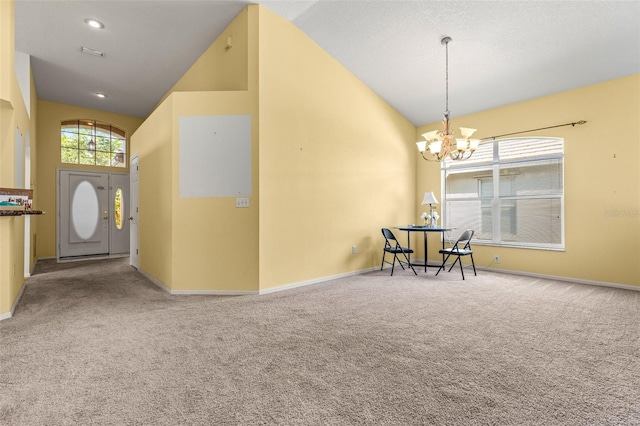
[85,210]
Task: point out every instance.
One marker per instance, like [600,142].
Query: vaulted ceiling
[502,51]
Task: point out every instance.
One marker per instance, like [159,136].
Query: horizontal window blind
[511,194]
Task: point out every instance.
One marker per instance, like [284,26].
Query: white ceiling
[502,51]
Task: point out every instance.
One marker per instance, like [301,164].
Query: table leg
[409,245]
[426,258]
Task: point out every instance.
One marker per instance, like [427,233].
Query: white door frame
[27,218]
[134,191]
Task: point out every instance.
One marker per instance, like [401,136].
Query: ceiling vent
[91,51]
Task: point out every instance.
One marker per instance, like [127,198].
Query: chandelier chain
[446,47]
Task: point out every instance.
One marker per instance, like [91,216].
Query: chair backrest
[464,240]
[388,234]
[388,237]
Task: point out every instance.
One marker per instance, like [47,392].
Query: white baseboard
[168,289]
[551,277]
[7,315]
[316,281]
[560,278]
[33,268]
[213,292]
[162,286]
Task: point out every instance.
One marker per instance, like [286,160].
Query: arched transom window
[92,142]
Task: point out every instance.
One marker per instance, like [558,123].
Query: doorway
[92,214]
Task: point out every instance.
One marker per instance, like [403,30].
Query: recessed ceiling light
[101,95]
[94,23]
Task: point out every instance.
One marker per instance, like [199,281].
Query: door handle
[130,217]
[105,214]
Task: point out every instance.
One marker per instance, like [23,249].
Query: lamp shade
[461,144]
[435,147]
[431,136]
[429,198]
[466,132]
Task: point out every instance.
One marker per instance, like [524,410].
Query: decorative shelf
[19,212]
[17,202]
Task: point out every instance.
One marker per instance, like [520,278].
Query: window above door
[91,142]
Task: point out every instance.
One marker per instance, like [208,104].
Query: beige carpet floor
[95,343]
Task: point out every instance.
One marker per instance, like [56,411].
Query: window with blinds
[510,192]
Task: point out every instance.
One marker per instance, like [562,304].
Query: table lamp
[430,199]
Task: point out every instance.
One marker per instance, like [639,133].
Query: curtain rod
[535,130]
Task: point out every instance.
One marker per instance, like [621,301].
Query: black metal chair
[392,246]
[462,247]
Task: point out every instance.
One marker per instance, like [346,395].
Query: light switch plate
[242,202]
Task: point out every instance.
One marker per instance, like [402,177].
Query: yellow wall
[7,48]
[192,243]
[215,243]
[200,244]
[13,115]
[336,162]
[220,68]
[152,144]
[332,164]
[602,180]
[50,115]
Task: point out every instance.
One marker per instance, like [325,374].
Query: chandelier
[440,143]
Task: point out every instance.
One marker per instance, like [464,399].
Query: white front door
[93,209]
[83,213]
[133,212]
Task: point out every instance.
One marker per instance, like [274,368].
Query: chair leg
[474,265]
[458,260]
[408,263]
[454,263]
[399,261]
[384,253]
[443,263]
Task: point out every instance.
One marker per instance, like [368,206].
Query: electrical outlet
[354,249]
[496,259]
[242,202]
